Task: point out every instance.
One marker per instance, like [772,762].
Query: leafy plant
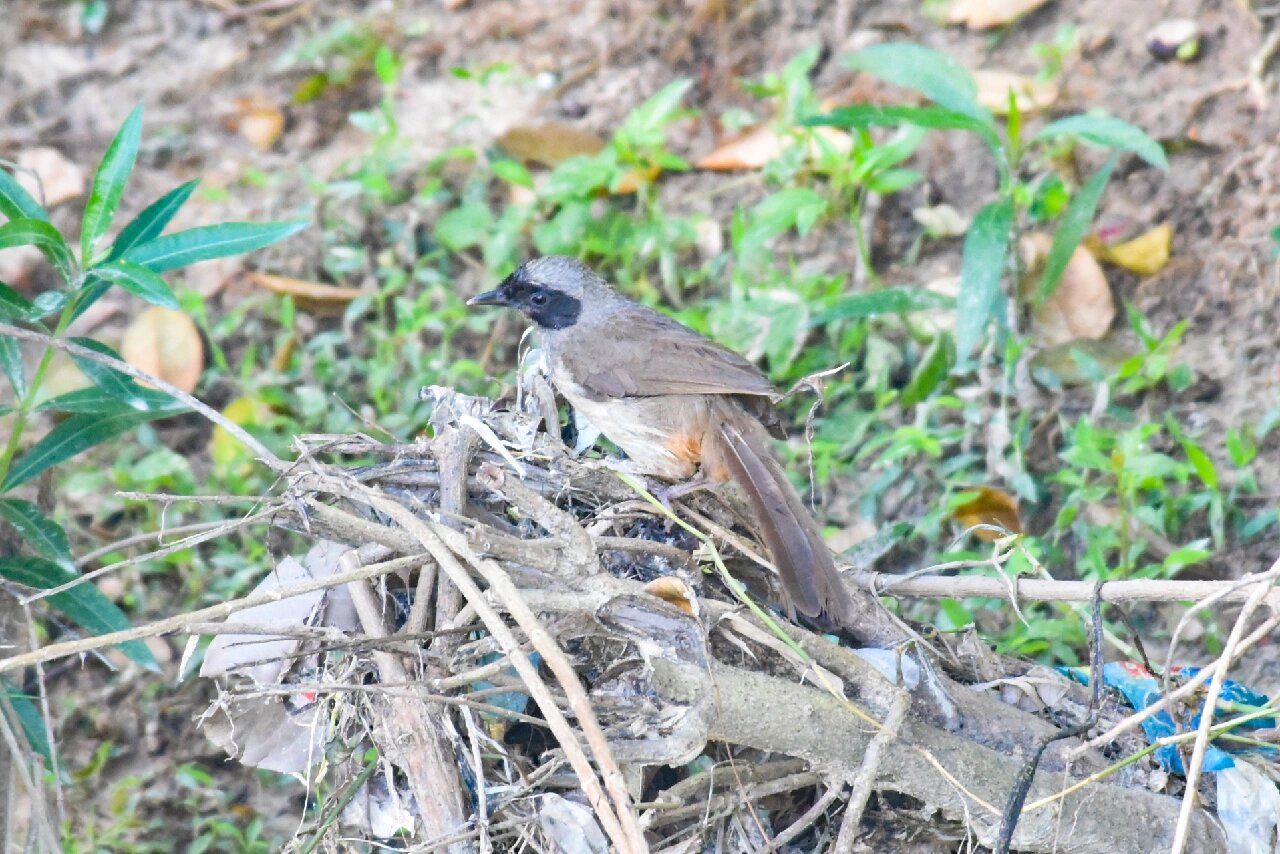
[116,402]
[987,249]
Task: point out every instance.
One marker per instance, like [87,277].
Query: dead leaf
[548,144]
[758,146]
[312,297]
[226,450]
[1058,359]
[1145,254]
[670,589]
[18,267]
[60,179]
[709,238]
[983,14]
[1030,94]
[941,220]
[167,344]
[991,506]
[1080,307]
[258,121]
[636,178]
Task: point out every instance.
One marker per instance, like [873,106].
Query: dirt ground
[194,64]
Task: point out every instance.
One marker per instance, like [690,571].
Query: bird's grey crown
[562,273]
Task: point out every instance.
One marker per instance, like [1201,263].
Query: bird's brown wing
[639,352]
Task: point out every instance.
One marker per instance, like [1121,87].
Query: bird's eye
[538,297]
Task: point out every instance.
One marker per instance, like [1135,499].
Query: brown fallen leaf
[1080,307]
[1145,254]
[60,179]
[984,14]
[167,344]
[311,297]
[1031,95]
[759,146]
[258,121]
[636,178]
[990,506]
[1060,361]
[670,589]
[548,144]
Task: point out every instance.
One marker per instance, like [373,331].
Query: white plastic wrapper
[1249,807]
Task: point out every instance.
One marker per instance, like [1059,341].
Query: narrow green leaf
[95,401]
[981,266]
[119,386]
[930,374]
[1108,132]
[884,301]
[78,433]
[30,719]
[42,235]
[148,225]
[210,241]
[42,535]
[47,303]
[84,604]
[11,365]
[1071,230]
[938,118]
[139,281]
[931,73]
[13,306]
[15,202]
[108,184]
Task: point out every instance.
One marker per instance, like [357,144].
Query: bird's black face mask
[545,306]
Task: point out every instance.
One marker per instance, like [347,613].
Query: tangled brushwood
[537,652]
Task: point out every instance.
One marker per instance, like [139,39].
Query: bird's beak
[493,297]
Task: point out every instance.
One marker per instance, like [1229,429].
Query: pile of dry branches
[533,647]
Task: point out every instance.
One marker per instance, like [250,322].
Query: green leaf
[78,433]
[42,535]
[11,365]
[209,241]
[15,202]
[464,226]
[981,266]
[931,73]
[29,718]
[860,116]
[646,124]
[148,225]
[47,303]
[108,183]
[139,281]
[95,401]
[797,207]
[119,386]
[1108,132]
[1202,463]
[884,301]
[931,373]
[13,306]
[84,604]
[1076,220]
[42,235]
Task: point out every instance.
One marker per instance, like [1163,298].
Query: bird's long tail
[789,531]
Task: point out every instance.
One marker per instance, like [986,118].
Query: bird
[679,405]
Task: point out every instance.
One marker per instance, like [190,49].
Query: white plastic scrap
[1249,808]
